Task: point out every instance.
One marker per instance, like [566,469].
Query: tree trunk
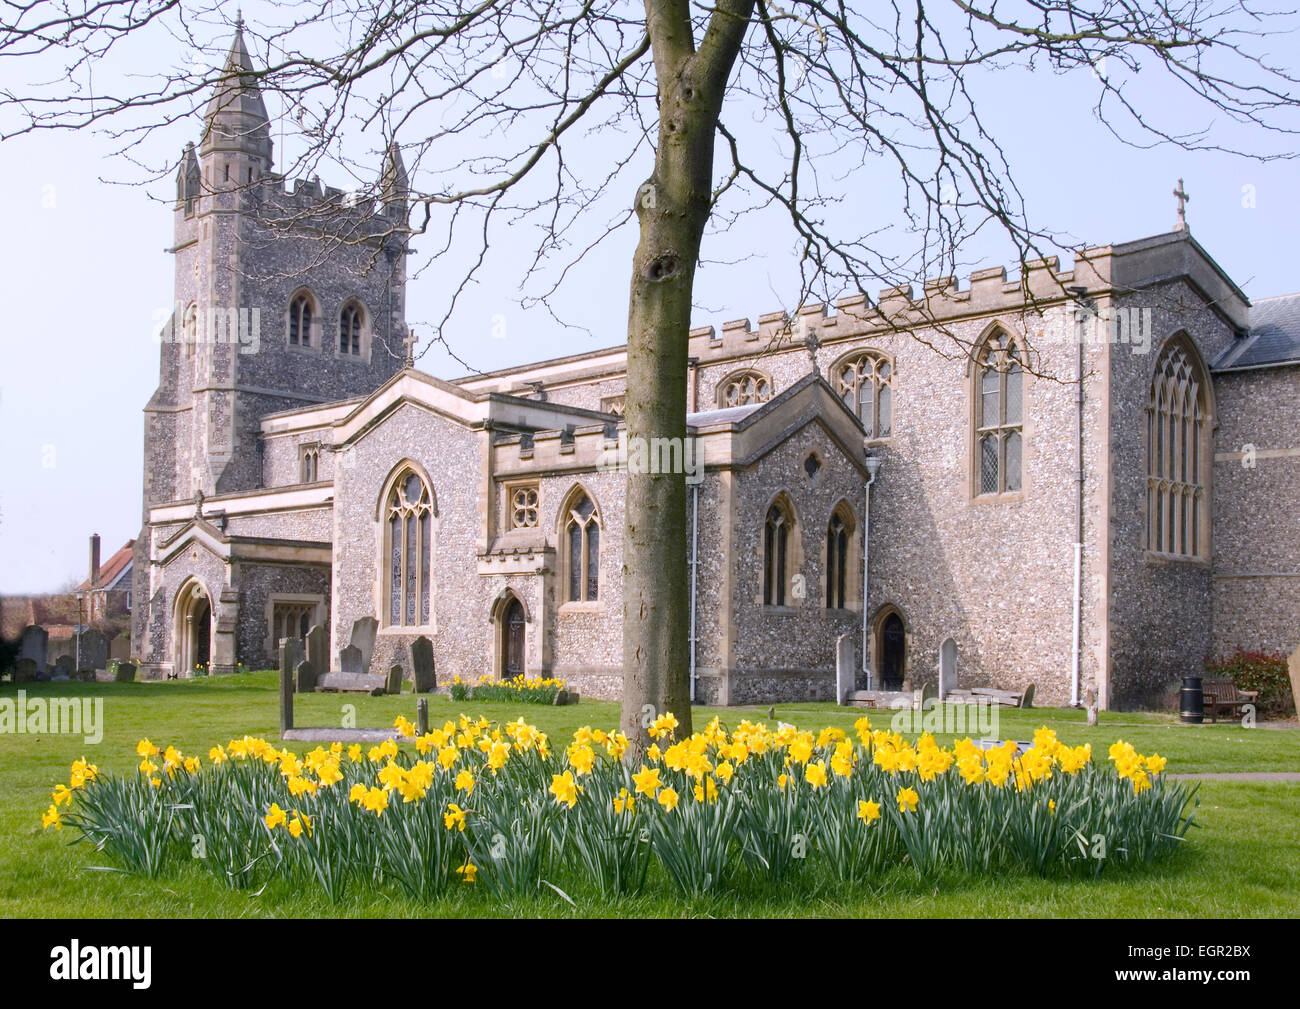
[673,208]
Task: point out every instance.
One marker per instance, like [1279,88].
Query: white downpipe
[866,541]
[695,534]
[1074,638]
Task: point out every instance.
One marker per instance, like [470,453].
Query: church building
[1083,479]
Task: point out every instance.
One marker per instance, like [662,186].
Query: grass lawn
[1242,860]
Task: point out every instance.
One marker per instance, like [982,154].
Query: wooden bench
[1223,696]
[1005,698]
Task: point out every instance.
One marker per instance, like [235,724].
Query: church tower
[284,297]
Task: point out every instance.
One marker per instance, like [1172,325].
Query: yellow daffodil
[50,818]
[868,810]
[467,872]
[647,781]
[454,818]
[907,800]
[565,789]
[668,799]
[274,817]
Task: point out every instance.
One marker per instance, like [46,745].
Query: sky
[84,274]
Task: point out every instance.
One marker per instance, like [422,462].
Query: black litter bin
[1192,708]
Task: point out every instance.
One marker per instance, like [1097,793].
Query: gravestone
[124,671]
[60,676]
[93,650]
[25,671]
[394,684]
[317,649]
[119,647]
[350,660]
[1293,667]
[422,675]
[363,638]
[64,665]
[947,668]
[290,656]
[304,676]
[34,645]
[845,672]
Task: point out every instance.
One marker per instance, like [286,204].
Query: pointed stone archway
[193,628]
[510,636]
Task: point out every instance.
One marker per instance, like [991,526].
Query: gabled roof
[470,409]
[1273,337]
[112,569]
[741,435]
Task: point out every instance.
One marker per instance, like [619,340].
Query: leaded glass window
[409,535]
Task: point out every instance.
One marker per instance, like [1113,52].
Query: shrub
[1261,671]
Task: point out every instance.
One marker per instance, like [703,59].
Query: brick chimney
[94,559]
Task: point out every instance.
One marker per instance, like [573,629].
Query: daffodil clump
[519,688]
[497,806]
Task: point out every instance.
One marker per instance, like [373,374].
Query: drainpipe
[695,540]
[1076,615]
[873,467]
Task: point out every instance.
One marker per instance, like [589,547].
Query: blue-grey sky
[85,273]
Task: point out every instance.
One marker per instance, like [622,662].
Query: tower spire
[235,120]
[394,184]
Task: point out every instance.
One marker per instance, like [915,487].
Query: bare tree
[536,111]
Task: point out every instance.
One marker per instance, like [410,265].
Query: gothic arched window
[999,409]
[350,329]
[839,531]
[1176,454]
[864,382]
[408,535]
[744,388]
[777,528]
[582,550]
[300,314]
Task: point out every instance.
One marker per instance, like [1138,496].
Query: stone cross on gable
[1182,196]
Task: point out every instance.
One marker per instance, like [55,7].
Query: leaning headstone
[125,671]
[304,677]
[25,671]
[317,645]
[60,676]
[34,645]
[845,672]
[422,675]
[64,664]
[350,660]
[394,684]
[363,638]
